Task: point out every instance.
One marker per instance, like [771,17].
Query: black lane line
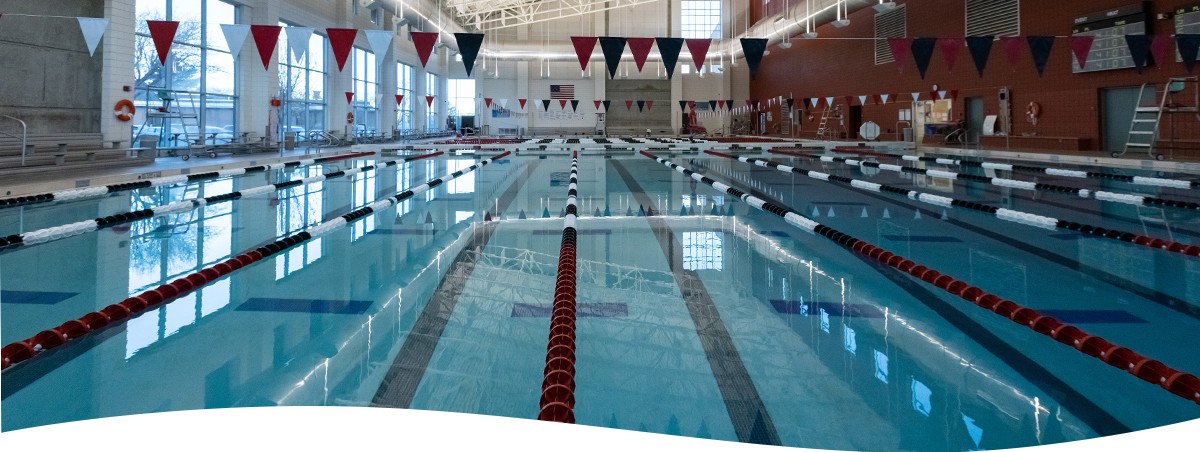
[749,415]
[1087,411]
[1167,300]
[406,372]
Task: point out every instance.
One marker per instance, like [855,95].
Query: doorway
[854,122]
[974,118]
[1116,114]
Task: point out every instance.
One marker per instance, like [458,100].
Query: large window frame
[366,89]
[405,87]
[700,19]
[302,88]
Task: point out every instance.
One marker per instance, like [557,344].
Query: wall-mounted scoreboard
[1187,21]
[1109,51]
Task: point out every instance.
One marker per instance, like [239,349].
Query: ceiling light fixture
[884,6]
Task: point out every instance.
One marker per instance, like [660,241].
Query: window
[299,207]
[404,86]
[364,193]
[462,184]
[404,181]
[461,95]
[892,24]
[993,17]
[366,86]
[703,251]
[302,87]
[431,89]
[197,83]
[701,19]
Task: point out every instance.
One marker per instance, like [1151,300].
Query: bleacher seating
[51,152]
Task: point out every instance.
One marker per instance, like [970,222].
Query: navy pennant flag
[753,48]
[922,51]
[790,102]
[612,48]
[468,47]
[1040,47]
[1189,48]
[606,104]
[575,105]
[546,104]
[683,106]
[641,104]
[1139,49]
[712,105]
[980,48]
[669,49]
[728,104]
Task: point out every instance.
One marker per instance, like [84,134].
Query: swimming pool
[699,315]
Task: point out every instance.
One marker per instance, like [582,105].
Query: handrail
[24,135]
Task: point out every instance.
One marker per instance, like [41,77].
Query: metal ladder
[823,130]
[1144,128]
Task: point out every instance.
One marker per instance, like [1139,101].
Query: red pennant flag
[749,102]
[692,104]
[900,50]
[1012,49]
[699,50]
[487,101]
[876,99]
[649,105]
[1159,46]
[399,99]
[584,45]
[349,97]
[522,102]
[849,100]
[721,104]
[933,95]
[340,41]
[429,101]
[266,37]
[640,48]
[953,95]
[424,41]
[1081,46]
[597,102]
[562,103]
[162,32]
[629,105]
[950,48]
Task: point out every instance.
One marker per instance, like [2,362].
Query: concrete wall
[47,77]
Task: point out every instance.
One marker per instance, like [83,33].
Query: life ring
[350,118]
[1032,112]
[124,110]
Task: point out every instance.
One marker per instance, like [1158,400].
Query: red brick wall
[1070,102]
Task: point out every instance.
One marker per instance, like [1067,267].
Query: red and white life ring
[1032,112]
[350,118]
[124,110]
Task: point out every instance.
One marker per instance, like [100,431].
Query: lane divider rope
[75,194]
[1177,382]
[53,233]
[114,314]
[1123,198]
[1016,216]
[558,384]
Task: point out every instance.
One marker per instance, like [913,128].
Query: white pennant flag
[828,102]
[235,37]
[862,100]
[298,38]
[813,101]
[503,103]
[380,41]
[916,96]
[885,97]
[93,30]
[942,95]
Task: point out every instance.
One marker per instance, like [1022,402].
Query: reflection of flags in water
[562,92]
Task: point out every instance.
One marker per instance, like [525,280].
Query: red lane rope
[349,156]
[557,403]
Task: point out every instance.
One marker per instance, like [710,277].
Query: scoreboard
[1109,50]
[1187,21]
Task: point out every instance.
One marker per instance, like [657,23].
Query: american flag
[562,92]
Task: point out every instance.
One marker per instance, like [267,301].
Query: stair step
[1147,109]
[1141,132]
[1140,145]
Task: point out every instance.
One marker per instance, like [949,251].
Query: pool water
[707,319]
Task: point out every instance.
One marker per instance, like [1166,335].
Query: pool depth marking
[75,194]
[114,314]
[751,421]
[557,403]
[53,233]
[1177,382]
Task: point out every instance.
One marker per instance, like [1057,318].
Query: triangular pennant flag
[900,48]
[340,42]
[575,106]
[162,32]
[93,30]
[980,48]
[954,95]
[380,41]
[399,99]
[597,103]
[728,104]
[813,101]
[628,105]
[922,51]
[828,102]
[791,102]
[468,47]
[1012,50]
[669,49]
[683,106]
[886,214]
[1040,47]
[721,104]
[562,103]
[545,104]
[487,101]
[641,104]
[424,41]
[606,104]
[349,97]
[849,100]
[941,95]
[503,103]
[950,48]
[640,48]
[916,96]
[584,45]
[1081,46]
[429,101]
[235,37]
[699,50]
[612,49]
[297,40]
[522,102]
[712,105]
[864,213]
[1189,49]
[1159,45]
[917,215]
[1139,49]
[266,37]
[831,213]
[749,102]
[650,105]
[862,100]
[753,49]
[885,97]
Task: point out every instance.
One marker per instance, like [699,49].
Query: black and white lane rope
[53,233]
[1177,382]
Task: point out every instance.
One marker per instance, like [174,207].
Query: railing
[24,136]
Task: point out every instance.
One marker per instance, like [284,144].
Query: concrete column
[256,86]
[118,72]
[387,90]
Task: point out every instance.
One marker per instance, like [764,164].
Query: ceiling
[485,15]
